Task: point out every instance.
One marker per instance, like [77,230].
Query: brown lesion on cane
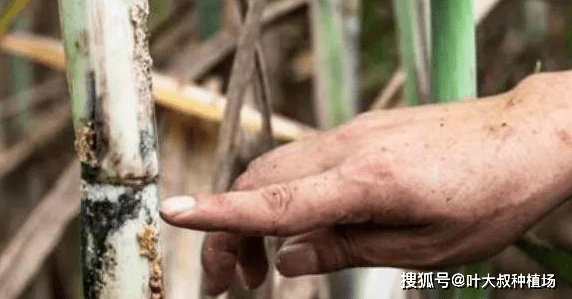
[85,144]
[81,44]
[142,61]
[156,279]
[148,240]
[116,159]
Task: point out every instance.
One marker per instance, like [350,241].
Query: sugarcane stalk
[108,67]
[454,67]
[333,100]
[405,12]
[351,30]
[454,62]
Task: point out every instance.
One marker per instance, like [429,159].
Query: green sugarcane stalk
[454,62]
[331,105]
[108,67]
[405,12]
[454,77]
[351,30]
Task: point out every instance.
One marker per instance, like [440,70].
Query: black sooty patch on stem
[92,93]
[89,173]
[99,218]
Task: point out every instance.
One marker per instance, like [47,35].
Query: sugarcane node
[93,174]
[135,182]
[115,159]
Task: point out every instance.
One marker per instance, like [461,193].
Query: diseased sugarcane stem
[108,66]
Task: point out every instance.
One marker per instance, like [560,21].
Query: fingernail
[177,204]
[297,259]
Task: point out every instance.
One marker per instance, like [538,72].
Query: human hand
[423,188]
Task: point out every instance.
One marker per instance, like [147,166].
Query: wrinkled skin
[424,187]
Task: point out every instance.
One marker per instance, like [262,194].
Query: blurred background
[326,60]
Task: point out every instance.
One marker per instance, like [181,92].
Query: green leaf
[481,269]
[558,261]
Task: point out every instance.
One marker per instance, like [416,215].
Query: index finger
[282,209]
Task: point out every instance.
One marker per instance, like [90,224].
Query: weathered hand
[420,188]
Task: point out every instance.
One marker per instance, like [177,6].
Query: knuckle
[381,171]
[371,177]
[372,168]
[277,199]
